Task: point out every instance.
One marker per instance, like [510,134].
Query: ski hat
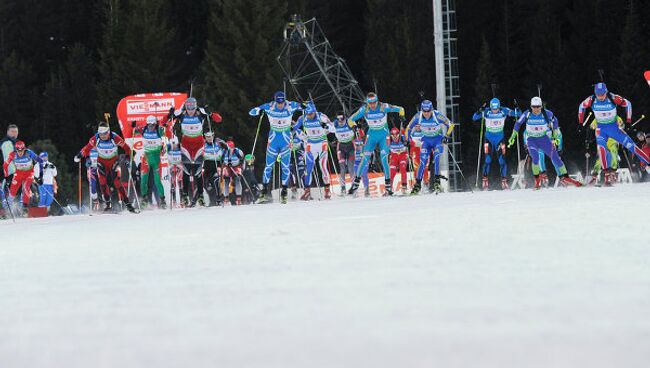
[394,131]
[20,146]
[279,97]
[495,104]
[151,120]
[372,97]
[43,154]
[230,144]
[249,158]
[208,134]
[103,129]
[536,102]
[426,105]
[190,103]
[311,108]
[600,88]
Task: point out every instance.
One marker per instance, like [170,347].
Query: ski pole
[79,187]
[638,120]
[11,212]
[459,170]
[480,147]
[259,124]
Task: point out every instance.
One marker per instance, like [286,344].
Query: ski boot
[328,194]
[416,187]
[544,179]
[486,183]
[436,185]
[566,180]
[265,196]
[3,215]
[162,205]
[343,190]
[130,207]
[306,195]
[593,180]
[388,191]
[403,189]
[366,192]
[538,182]
[608,179]
[108,206]
[294,192]
[95,204]
[355,185]
[504,184]
[283,195]
[238,201]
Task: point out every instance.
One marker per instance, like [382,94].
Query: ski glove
[77,158]
[512,139]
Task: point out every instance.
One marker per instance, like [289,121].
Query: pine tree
[485,75]
[18,93]
[632,61]
[137,54]
[399,50]
[240,66]
[68,113]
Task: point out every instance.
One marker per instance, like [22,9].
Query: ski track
[550,278]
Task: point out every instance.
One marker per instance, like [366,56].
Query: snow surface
[554,278]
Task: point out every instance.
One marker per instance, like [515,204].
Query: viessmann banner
[138,107]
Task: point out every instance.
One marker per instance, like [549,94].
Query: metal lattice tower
[312,68]
[448,79]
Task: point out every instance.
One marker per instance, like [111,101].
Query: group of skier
[22,169]
[196,161]
[299,140]
[543,137]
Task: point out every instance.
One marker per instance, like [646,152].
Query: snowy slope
[555,278]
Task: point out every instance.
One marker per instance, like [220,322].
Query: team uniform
[315,130]
[212,171]
[377,120]
[278,144]
[24,175]
[175,158]
[538,128]
[605,115]
[108,166]
[435,130]
[48,188]
[154,147]
[398,157]
[494,117]
[414,137]
[297,163]
[233,159]
[358,159]
[344,150]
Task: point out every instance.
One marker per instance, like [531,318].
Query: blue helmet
[495,104]
[310,108]
[600,88]
[43,154]
[426,105]
[279,97]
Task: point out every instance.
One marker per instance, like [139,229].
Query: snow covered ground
[555,278]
